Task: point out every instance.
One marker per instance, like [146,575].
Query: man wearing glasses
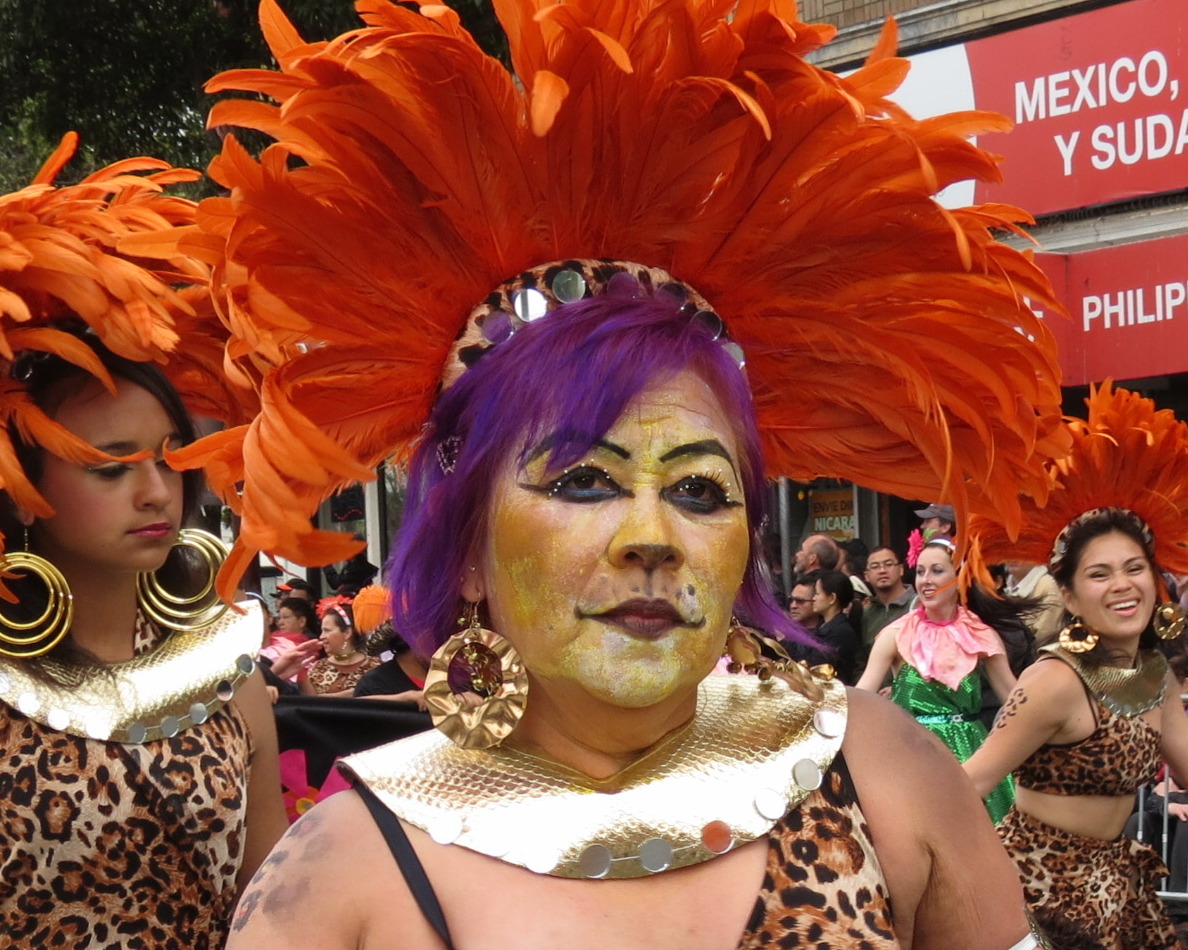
[892,597]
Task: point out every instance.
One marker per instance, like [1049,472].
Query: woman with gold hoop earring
[542,290]
[345,662]
[139,746]
[1093,719]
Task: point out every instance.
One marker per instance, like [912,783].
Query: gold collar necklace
[1127,691]
[752,751]
[181,682]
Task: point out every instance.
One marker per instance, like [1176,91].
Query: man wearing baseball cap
[937,521]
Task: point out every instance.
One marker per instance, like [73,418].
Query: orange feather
[798,202]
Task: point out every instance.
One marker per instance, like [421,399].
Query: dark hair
[856,553]
[1007,615]
[807,579]
[567,378]
[296,583]
[1073,541]
[335,612]
[49,381]
[838,585]
[303,608]
[883,547]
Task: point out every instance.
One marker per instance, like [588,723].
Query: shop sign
[1099,101]
[1128,308]
[831,513]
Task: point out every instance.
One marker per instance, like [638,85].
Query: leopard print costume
[107,845]
[327,677]
[823,886]
[1089,893]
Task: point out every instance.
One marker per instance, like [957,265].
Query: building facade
[1098,92]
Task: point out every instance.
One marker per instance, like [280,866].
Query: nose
[155,487]
[644,537]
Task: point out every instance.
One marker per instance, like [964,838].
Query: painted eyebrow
[704,447]
[552,440]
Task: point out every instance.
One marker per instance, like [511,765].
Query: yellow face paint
[619,575]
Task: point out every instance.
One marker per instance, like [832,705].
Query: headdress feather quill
[412,174]
[63,260]
[1125,454]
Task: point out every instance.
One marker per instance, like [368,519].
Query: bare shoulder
[251,698]
[950,881]
[325,884]
[1050,697]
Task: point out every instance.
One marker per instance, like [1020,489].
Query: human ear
[474,582]
[1071,604]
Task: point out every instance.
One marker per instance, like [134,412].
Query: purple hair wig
[567,377]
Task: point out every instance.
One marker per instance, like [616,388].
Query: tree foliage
[127,75]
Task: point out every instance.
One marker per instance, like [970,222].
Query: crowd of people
[590,307]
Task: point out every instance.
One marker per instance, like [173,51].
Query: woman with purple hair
[592,490]
[538,290]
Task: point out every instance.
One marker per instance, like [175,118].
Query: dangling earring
[179,612]
[476,688]
[744,654]
[1169,621]
[1077,638]
[46,631]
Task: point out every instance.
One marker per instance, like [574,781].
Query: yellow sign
[831,513]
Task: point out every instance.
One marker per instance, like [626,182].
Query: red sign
[1128,307]
[1099,101]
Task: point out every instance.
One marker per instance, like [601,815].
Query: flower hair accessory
[1127,455]
[335,603]
[418,177]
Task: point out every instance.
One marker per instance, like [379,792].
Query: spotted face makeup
[618,575]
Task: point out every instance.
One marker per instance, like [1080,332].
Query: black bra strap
[408,862]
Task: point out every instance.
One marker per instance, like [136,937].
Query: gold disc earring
[1077,638]
[26,639]
[476,689]
[1169,621]
[178,611]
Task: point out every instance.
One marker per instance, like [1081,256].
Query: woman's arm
[408,696]
[951,883]
[1035,712]
[883,653]
[266,820]
[329,883]
[998,672]
[1174,732]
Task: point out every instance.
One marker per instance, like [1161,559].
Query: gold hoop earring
[1169,621]
[476,689]
[179,612]
[1077,638]
[47,630]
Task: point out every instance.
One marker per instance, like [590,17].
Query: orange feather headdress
[888,340]
[1125,454]
[63,262]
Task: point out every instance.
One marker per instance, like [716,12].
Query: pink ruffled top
[946,651]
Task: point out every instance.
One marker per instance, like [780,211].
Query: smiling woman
[1092,720]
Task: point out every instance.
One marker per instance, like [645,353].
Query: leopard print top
[105,845]
[823,886]
[1117,758]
